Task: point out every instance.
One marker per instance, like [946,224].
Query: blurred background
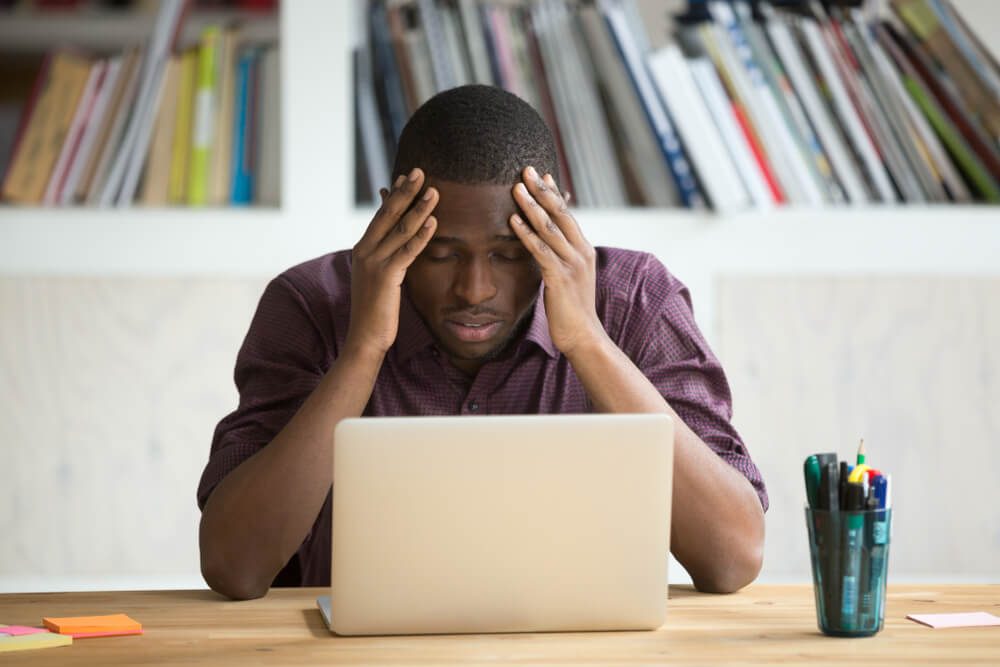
[824,178]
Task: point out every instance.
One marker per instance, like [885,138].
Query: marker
[861,452]
[811,472]
[854,538]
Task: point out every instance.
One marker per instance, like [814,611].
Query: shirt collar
[414,336]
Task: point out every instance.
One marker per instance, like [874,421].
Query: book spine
[202,130]
[241,185]
[687,186]
[180,154]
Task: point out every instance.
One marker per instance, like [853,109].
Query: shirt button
[473,405]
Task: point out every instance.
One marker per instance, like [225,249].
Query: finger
[413,246]
[404,189]
[566,221]
[382,193]
[539,249]
[542,222]
[408,225]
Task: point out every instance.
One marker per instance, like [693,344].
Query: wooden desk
[761,625]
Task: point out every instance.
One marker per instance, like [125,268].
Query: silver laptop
[500,524]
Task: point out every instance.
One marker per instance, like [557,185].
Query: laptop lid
[500,524]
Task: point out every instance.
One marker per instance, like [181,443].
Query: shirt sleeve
[282,360]
[664,341]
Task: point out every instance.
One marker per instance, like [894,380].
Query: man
[473,291]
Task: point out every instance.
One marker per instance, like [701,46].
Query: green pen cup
[849,552]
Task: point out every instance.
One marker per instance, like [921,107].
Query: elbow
[228,576]
[738,568]
[228,582]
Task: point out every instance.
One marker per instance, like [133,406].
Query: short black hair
[476,135]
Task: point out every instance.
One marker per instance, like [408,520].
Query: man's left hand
[567,260]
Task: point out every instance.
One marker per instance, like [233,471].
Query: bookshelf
[318,214]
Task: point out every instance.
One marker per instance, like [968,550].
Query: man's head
[475,283]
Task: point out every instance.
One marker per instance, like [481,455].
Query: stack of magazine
[738,106]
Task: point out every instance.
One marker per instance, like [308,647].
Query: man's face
[475,283]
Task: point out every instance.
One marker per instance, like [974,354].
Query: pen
[854,534]
[861,452]
[880,538]
[811,472]
[828,541]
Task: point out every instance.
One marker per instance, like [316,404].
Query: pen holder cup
[850,556]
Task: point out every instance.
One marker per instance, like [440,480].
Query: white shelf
[106,30]
[942,239]
[318,215]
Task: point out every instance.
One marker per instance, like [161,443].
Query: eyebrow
[502,238]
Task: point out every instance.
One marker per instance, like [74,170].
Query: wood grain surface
[760,625]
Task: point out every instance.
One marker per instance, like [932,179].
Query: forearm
[259,514]
[717,528]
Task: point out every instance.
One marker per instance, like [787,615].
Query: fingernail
[516,219]
[523,190]
[414,175]
[427,195]
[399,181]
[532,172]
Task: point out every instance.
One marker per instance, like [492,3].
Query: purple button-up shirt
[301,324]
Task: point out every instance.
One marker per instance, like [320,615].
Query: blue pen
[880,539]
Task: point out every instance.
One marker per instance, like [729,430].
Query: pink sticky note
[18,630]
[964,620]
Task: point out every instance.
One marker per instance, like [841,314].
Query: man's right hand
[398,233]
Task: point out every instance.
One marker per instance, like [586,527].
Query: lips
[472,330]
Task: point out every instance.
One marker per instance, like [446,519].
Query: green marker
[810,469]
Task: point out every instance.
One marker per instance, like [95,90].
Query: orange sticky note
[94,626]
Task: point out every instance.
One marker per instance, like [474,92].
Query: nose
[474,282]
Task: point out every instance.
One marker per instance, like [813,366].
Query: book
[599,166]
[906,140]
[864,90]
[639,153]
[25,114]
[475,42]
[923,22]
[74,134]
[437,45]
[454,41]
[85,157]
[113,127]
[789,161]
[973,134]
[203,128]
[824,124]
[702,38]
[846,112]
[970,165]
[711,160]
[45,131]
[789,107]
[220,170]
[547,105]
[372,140]
[183,120]
[389,93]
[119,187]
[687,185]
[156,180]
[268,160]
[926,141]
[244,133]
[735,142]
